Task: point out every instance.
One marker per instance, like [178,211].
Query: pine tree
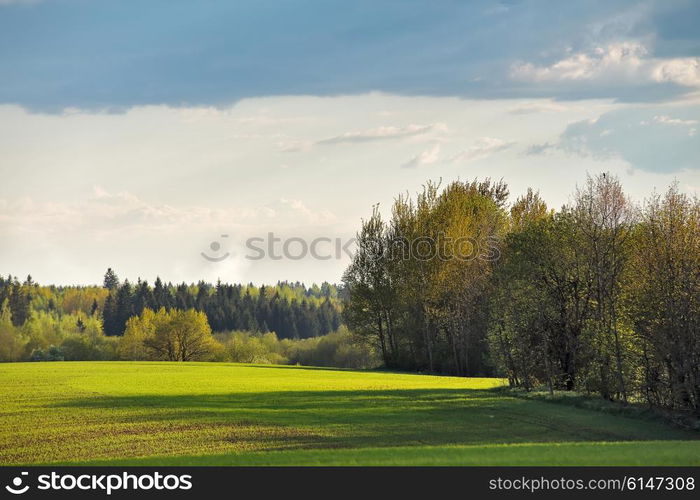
[161,295]
[109,316]
[19,304]
[111,281]
[124,307]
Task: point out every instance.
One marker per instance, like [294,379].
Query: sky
[185,139]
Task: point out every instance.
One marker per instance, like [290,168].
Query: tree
[19,301]
[111,281]
[665,299]
[368,309]
[519,336]
[109,316]
[139,330]
[123,307]
[180,336]
[605,221]
[11,343]
[418,285]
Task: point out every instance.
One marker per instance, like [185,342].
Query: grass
[117,413]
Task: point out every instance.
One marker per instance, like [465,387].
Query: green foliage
[599,297]
[246,347]
[602,297]
[53,353]
[418,284]
[51,336]
[290,309]
[12,345]
[167,335]
[164,335]
[337,349]
[160,336]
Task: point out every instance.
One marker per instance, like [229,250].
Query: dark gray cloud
[112,55]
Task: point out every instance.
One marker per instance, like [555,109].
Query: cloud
[427,157]
[685,71]
[620,63]
[542,106]
[539,149]
[383,133]
[482,148]
[648,141]
[104,212]
[667,120]
[294,146]
[216,61]
[297,208]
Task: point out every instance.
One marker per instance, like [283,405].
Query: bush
[338,349]
[53,353]
[246,347]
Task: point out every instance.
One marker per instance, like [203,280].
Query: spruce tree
[111,281]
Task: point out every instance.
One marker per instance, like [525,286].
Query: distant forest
[291,310]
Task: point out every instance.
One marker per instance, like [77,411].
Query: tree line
[291,310]
[40,323]
[600,296]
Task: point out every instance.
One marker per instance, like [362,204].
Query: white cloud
[482,148]
[294,146]
[621,63]
[384,133]
[685,71]
[541,106]
[103,213]
[667,120]
[299,208]
[427,157]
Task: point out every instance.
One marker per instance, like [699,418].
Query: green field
[215,414]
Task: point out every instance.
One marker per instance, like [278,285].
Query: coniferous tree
[111,281]
[110,317]
[124,307]
[20,299]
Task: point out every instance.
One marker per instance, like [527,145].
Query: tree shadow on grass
[383,417]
